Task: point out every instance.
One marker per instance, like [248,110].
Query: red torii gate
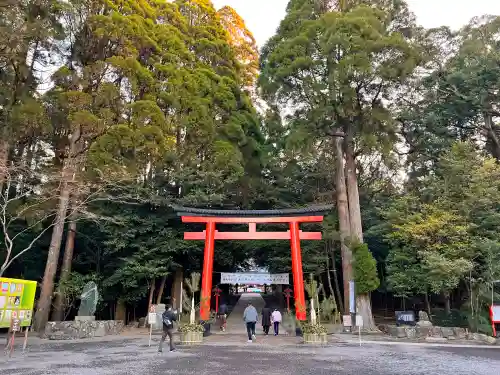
[292,217]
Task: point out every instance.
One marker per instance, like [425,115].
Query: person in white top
[276,319]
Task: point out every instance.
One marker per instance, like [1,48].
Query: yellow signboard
[17,298]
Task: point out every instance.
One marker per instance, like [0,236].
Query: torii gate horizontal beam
[246,220]
[252,235]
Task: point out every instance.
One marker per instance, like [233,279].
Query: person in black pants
[222,316]
[276,319]
[250,317]
[168,317]
[251,331]
[266,319]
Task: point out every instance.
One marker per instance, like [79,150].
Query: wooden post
[25,343]
[151,321]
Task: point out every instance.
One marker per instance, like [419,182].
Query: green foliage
[328,309]
[333,68]
[440,242]
[310,328]
[193,283]
[441,234]
[364,269]
[191,328]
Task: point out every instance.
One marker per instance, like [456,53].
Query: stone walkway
[235,323]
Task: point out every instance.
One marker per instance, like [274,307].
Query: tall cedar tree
[333,66]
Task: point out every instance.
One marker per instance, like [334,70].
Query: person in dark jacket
[169,316]
[250,316]
[266,319]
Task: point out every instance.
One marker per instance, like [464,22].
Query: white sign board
[254,278]
[152,318]
[359,321]
[346,319]
[495,313]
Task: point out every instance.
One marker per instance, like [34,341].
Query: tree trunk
[491,135]
[121,311]
[4,160]
[344,221]
[364,308]
[427,304]
[363,301]
[176,291]
[47,288]
[447,304]
[160,291]
[336,284]
[59,306]
[329,277]
[353,194]
[151,293]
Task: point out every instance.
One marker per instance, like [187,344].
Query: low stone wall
[83,329]
[436,334]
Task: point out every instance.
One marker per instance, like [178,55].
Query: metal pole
[25,343]
[180,299]
[150,333]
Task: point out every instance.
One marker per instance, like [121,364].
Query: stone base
[437,334]
[191,338]
[313,338]
[82,318]
[82,329]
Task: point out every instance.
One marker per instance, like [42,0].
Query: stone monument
[423,319]
[88,304]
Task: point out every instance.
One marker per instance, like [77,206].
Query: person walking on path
[250,316]
[266,319]
[168,317]
[276,319]
[223,316]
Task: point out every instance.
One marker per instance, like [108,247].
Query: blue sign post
[349,320]
[352,298]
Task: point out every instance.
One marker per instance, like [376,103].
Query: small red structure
[495,318]
[217,293]
[292,217]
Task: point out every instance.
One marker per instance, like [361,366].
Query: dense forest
[112,111]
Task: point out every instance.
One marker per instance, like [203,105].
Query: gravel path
[133,356]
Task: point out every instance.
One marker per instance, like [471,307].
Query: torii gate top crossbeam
[252,217]
[317,210]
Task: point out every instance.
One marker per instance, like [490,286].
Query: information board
[17,298]
[359,321]
[254,278]
[405,318]
[347,320]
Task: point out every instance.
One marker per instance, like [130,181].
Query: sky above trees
[262,17]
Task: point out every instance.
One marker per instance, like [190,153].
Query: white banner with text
[254,278]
